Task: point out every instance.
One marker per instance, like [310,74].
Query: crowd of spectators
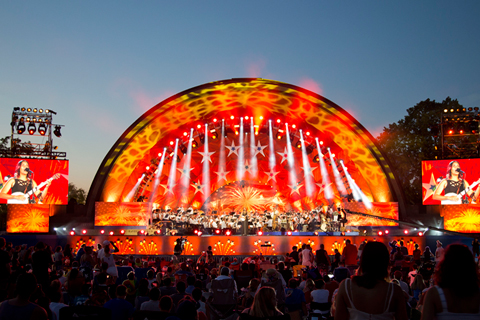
[370,281]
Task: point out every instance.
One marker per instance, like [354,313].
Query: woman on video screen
[454,186]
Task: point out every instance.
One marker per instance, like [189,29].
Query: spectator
[330,285]
[187,310]
[80,300]
[190,284]
[403,248]
[131,286]
[275,280]
[74,283]
[55,304]
[142,293]
[151,278]
[20,308]
[41,262]
[306,257]
[264,305]
[153,303]
[121,308]
[418,285]
[176,297]
[294,255]
[455,296]
[110,260]
[398,276]
[80,252]
[341,273]
[250,293]
[350,253]
[58,258]
[336,259]
[307,290]
[439,252]
[286,273]
[475,248]
[322,259]
[295,300]
[417,255]
[4,267]
[167,289]
[368,295]
[166,305]
[427,254]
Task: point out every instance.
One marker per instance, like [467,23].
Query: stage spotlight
[122,231]
[57,132]
[473,126]
[228,232]
[260,233]
[214,134]
[102,231]
[84,231]
[111,233]
[405,231]
[278,120]
[316,159]
[21,127]
[29,109]
[201,137]
[217,231]
[380,233]
[199,233]
[158,232]
[142,232]
[55,229]
[420,234]
[461,129]
[289,233]
[42,129]
[194,144]
[310,149]
[232,117]
[72,233]
[199,126]
[280,134]
[387,232]
[32,128]
[183,148]
[196,231]
[299,144]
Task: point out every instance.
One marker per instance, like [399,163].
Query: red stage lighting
[199,126]
[228,233]
[111,233]
[420,234]
[122,231]
[158,232]
[217,231]
[142,231]
[289,233]
[450,131]
[84,231]
[185,134]
[199,233]
[405,231]
[72,233]
[214,119]
[232,117]
[308,133]
[236,132]
[196,231]
[159,154]
[102,231]
[260,233]
[278,120]
[147,168]
[387,232]
[246,117]
[380,233]
[171,143]
[261,117]
[294,126]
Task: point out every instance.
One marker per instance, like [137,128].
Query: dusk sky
[101,64]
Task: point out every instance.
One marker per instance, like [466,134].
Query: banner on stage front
[121,214]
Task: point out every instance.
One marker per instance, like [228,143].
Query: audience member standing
[41,262]
[4,267]
[368,295]
[121,308]
[322,258]
[454,296]
[439,252]
[350,254]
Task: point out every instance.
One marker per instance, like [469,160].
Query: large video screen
[27,181]
[449,182]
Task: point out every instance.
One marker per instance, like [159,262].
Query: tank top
[453,186]
[11,312]
[19,186]
[360,315]
[445,315]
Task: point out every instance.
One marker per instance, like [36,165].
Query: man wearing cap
[439,252]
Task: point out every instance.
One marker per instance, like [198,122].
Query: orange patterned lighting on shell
[187,247]
[265,248]
[89,243]
[338,246]
[124,247]
[224,248]
[148,248]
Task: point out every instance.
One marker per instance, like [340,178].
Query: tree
[413,139]
[75,194]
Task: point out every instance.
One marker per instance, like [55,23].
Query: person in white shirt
[439,252]
[152,304]
[320,296]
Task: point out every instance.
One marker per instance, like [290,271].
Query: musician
[454,183]
[22,182]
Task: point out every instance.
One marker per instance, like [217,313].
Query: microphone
[28,170]
[460,170]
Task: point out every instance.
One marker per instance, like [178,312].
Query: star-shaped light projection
[284,155]
[233,149]
[322,186]
[168,187]
[222,174]
[271,175]
[206,155]
[308,170]
[259,149]
[295,188]
[185,171]
[430,187]
[198,187]
[247,167]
